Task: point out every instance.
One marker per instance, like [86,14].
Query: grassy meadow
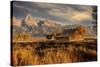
[35,53]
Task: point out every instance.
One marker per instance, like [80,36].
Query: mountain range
[35,26]
[41,27]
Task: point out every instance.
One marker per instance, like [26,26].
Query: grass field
[25,53]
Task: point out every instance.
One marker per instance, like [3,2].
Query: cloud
[80,16]
[72,15]
[22,7]
[64,13]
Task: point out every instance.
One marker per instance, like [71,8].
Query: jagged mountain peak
[30,20]
[28,17]
[37,26]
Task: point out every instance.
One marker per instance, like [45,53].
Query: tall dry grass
[30,55]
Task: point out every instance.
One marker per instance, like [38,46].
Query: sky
[62,13]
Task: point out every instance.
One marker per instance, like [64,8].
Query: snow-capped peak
[30,20]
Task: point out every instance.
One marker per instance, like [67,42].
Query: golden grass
[26,37]
[66,53]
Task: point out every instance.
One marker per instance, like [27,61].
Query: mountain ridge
[35,26]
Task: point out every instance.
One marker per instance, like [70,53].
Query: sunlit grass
[29,55]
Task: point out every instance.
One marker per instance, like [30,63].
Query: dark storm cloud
[65,14]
